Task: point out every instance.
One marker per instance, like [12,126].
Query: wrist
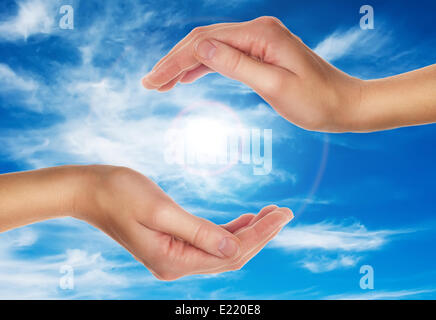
[84,202]
[364,115]
[352,116]
[75,185]
[91,198]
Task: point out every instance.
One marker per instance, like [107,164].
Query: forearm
[31,196]
[402,100]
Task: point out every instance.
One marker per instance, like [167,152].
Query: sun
[206,140]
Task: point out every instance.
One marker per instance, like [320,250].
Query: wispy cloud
[353,41]
[382,295]
[11,81]
[94,275]
[33,17]
[329,236]
[325,263]
[330,246]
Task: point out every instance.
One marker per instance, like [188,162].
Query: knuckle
[140,259]
[197,30]
[153,214]
[247,215]
[237,266]
[313,123]
[165,270]
[120,173]
[275,85]
[257,234]
[166,275]
[272,29]
[271,206]
[269,21]
[235,62]
[297,38]
[200,234]
[158,211]
[174,68]
[198,34]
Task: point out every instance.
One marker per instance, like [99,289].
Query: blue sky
[74,97]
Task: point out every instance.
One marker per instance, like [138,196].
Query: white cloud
[33,17]
[353,41]
[230,3]
[338,44]
[381,295]
[328,246]
[291,201]
[38,276]
[230,85]
[324,263]
[101,268]
[328,236]
[10,80]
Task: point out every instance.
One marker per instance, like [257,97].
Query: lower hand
[169,241]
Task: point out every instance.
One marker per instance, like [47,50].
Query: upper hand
[266,56]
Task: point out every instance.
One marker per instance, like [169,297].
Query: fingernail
[228,247]
[206,50]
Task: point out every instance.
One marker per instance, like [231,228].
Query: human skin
[136,213]
[301,86]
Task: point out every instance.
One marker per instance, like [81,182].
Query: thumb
[199,232]
[264,78]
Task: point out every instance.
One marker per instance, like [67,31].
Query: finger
[166,257]
[199,261]
[263,213]
[183,45]
[239,222]
[190,37]
[247,219]
[148,85]
[178,61]
[249,255]
[262,244]
[262,229]
[258,38]
[254,236]
[170,84]
[195,74]
[199,232]
[169,258]
[252,239]
[264,78]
